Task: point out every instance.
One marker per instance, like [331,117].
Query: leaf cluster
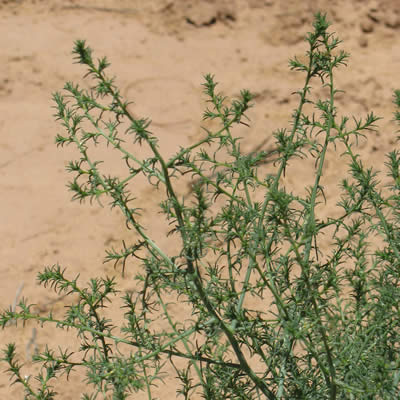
[269,314]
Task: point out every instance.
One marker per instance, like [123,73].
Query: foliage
[324,324]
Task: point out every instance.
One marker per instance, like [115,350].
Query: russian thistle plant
[269,315]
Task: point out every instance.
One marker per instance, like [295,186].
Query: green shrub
[322,325]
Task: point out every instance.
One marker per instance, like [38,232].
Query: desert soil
[159,50]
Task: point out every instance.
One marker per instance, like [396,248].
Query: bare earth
[159,50]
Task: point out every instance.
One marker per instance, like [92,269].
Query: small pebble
[367,26]
[363,41]
[392,21]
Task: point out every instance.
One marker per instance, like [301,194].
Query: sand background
[159,50]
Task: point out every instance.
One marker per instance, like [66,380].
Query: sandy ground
[159,53]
